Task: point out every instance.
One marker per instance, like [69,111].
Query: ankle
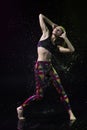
[20,108]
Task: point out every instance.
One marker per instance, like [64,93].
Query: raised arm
[43,20]
[70,47]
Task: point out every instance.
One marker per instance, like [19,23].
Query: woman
[48,45]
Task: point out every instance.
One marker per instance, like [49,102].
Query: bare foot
[20,113]
[72,117]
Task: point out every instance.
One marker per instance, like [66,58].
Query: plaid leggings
[44,75]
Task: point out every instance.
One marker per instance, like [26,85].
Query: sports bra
[47,44]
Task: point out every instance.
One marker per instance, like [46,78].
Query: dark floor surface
[45,119]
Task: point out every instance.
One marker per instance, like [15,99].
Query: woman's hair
[62,28]
[59,41]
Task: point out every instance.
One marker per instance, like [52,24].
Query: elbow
[40,15]
[73,50]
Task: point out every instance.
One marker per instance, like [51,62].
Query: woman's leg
[40,82]
[63,96]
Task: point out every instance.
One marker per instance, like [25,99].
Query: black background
[19,34]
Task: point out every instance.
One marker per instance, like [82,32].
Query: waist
[42,58]
[43,63]
[47,62]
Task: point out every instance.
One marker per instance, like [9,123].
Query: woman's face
[57,31]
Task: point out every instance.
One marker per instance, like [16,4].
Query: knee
[39,97]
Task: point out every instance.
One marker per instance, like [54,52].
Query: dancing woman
[50,43]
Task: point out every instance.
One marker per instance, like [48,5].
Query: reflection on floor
[60,125]
[46,120]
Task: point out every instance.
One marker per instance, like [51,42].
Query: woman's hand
[63,35]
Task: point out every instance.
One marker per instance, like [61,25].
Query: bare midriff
[43,54]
